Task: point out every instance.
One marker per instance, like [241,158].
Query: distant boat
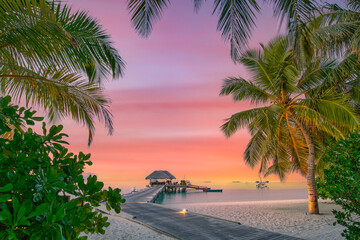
[236,182]
[262,185]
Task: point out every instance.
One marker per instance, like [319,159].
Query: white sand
[286,216]
[123,227]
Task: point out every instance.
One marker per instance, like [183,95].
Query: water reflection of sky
[232,195]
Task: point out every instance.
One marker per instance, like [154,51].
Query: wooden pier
[182,188]
[163,177]
[185,225]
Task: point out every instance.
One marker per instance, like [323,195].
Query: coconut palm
[56,58]
[296,113]
[335,33]
[336,29]
[236,18]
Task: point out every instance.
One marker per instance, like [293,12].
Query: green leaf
[11,234]
[60,212]
[37,118]
[2,233]
[6,188]
[16,204]
[39,210]
[5,197]
[20,214]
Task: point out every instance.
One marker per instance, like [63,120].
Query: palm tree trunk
[310,175]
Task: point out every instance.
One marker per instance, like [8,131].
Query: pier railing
[175,187]
[157,194]
[198,187]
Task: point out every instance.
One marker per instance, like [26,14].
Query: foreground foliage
[341,183]
[38,175]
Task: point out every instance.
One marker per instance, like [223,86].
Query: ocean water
[232,195]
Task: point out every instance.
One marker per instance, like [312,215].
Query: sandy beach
[283,216]
[123,227]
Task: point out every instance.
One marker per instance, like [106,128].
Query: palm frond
[342,74]
[315,75]
[264,137]
[197,4]
[92,50]
[334,30]
[37,35]
[30,33]
[236,21]
[297,13]
[334,39]
[253,61]
[61,93]
[239,120]
[242,89]
[354,90]
[279,168]
[145,13]
[354,4]
[297,146]
[258,150]
[40,35]
[333,107]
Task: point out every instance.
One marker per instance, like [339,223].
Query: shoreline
[244,202]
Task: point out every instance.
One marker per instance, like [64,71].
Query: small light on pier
[183,211]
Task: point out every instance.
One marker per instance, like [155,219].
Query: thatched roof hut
[160,175]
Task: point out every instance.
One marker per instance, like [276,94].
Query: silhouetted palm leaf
[145,13]
[197,4]
[236,19]
[44,48]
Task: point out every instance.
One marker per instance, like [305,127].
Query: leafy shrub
[341,182]
[37,177]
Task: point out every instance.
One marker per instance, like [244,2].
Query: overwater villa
[160,177]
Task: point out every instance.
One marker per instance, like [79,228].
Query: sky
[167,109]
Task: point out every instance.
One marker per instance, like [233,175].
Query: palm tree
[296,111]
[45,49]
[336,29]
[335,33]
[236,18]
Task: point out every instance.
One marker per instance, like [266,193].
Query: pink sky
[167,110]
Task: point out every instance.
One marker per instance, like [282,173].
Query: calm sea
[232,195]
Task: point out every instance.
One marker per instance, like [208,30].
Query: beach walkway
[190,225]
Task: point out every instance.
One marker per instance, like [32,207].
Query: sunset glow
[167,109]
